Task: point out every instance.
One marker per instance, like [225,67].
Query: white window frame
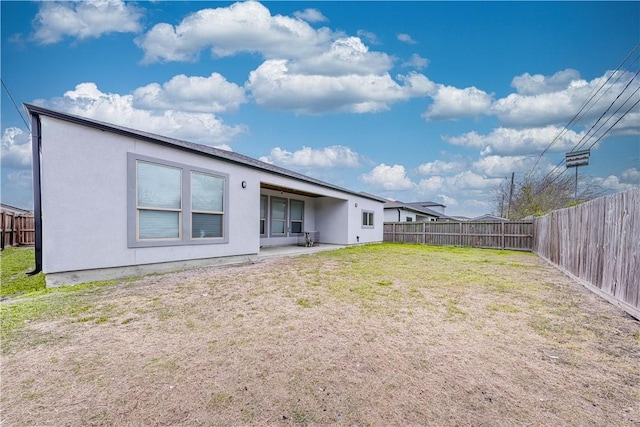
[264,220]
[140,209]
[207,212]
[285,224]
[186,212]
[367,218]
[291,220]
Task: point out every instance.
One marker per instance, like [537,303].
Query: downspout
[36,140]
[399,214]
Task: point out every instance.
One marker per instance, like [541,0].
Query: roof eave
[199,149]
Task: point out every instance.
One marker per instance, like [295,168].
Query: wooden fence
[16,229]
[598,243]
[516,235]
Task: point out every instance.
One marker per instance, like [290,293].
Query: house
[112,202]
[407,212]
[14,210]
[459,218]
[488,218]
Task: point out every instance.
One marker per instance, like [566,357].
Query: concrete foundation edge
[66,278]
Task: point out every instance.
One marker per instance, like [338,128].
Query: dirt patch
[374,335]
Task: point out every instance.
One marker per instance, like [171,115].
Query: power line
[594,143]
[617,121]
[580,143]
[585,103]
[15,105]
[583,141]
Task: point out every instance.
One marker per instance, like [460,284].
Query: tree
[536,195]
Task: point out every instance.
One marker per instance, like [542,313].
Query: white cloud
[306,70]
[440,167]
[88,101]
[406,38]
[502,166]
[452,103]
[431,185]
[17,188]
[447,201]
[416,61]
[345,56]
[16,149]
[16,168]
[274,86]
[327,157]
[544,101]
[213,94]
[631,176]
[467,190]
[241,27]
[84,20]
[310,15]
[472,180]
[527,84]
[611,183]
[385,177]
[368,36]
[517,141]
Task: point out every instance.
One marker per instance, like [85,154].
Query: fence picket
[517,235]
[16,229]
[597,242]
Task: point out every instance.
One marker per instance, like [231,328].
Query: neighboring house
[14,210]
[459,218]
[408,212]
[488,218]
[431,206]
[112,201]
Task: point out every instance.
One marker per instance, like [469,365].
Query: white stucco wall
[391,215]
[359,233]
[85,203]
[330,220]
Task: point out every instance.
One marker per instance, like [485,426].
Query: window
[367,219]
[174,204]
[158,201]
[409,219]
[297,215]
[207,201]
[263,215]
[278,216]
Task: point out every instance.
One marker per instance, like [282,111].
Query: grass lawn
[372,335]
[14,263]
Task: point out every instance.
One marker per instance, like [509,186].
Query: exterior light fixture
[244,184]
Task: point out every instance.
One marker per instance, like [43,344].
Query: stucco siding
[89,212]
[84,201]
[365,234]
[330,220]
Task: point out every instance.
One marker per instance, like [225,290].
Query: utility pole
[575,192]
[510,196]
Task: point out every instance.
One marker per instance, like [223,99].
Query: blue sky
[412,101]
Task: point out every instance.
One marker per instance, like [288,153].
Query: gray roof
[6,207]
[205,150]
[488,218]
[425,204]
[409,207]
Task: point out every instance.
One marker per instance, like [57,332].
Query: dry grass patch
[372,335]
